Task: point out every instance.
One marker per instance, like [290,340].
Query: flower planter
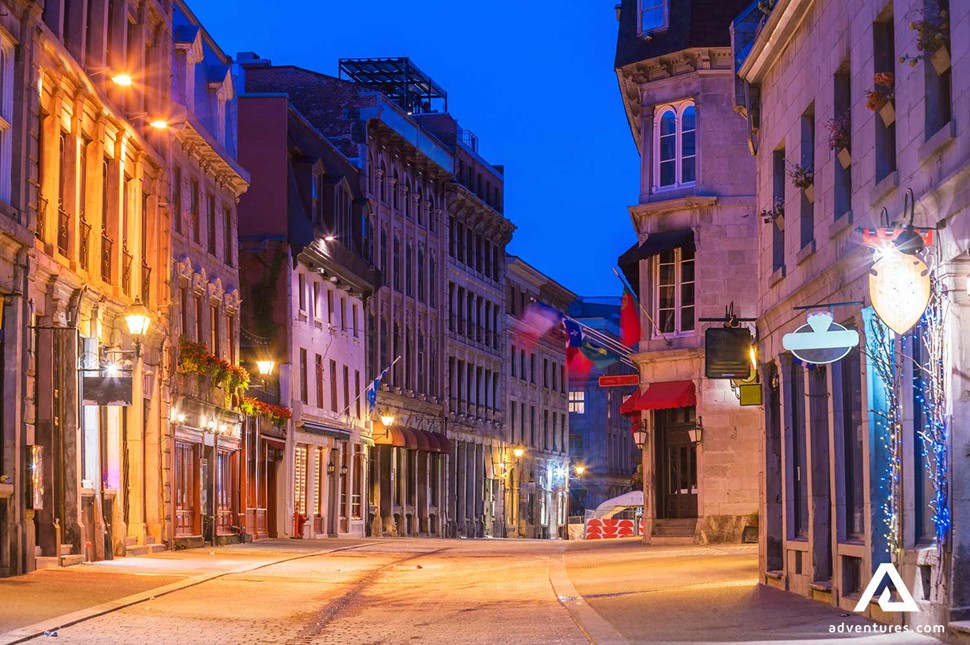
[6,491]
[845,157]
[810,193]
[888,113]
[940,60]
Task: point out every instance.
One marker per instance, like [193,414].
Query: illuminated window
[577,401]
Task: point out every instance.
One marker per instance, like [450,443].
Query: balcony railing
[85,243]
[63,231]
[146,281]
[126,259]
[106,253]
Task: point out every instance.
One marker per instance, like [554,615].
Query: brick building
[696,253]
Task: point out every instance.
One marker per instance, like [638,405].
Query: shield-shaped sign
[820,341]
[899,287]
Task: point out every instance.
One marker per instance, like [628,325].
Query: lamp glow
[159,124]
[518,452]
[580,470]
[265,367]
[111,369]
[123,80]
[387,419]
[138,319]
[899,286]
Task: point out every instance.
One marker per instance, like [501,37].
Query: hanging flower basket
[845,157]
[940,59]
[194,358]
[932,41]
[803,177]
[775,214]
[880,98]
[840,137]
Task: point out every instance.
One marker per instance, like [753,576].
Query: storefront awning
[661,396]
[326,431]
[655,244]
[402,437]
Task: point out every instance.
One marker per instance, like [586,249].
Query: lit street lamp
[139,320]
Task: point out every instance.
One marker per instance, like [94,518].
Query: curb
[29,632]
[594,627]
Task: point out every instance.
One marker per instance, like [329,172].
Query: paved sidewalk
[78,590]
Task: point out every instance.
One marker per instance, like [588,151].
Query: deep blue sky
[535,82]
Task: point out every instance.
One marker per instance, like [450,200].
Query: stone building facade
[309,271]
[203,470]
[801,66]
[404,171]
[478,234]
[696,225]
[18,221]
[600,441]
[537,421]
[101,245]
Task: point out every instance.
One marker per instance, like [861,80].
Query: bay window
[675,145]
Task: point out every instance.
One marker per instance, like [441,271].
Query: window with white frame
[653,16]
[675,145]
[6,115]
[577,401]
[673,290]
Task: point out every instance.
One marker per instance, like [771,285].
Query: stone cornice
[774,37]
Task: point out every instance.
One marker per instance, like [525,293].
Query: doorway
[676,465]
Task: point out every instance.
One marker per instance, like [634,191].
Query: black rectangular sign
[726,353]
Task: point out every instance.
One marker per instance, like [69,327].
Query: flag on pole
[594,353]
[536,321]
[374,387]
[629,319]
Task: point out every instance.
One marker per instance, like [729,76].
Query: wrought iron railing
[146,281]
[63,230]
[84,247]
[126,259]
[106,253]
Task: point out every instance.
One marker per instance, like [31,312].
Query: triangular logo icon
[907,603]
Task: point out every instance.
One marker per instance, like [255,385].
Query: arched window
[675,145]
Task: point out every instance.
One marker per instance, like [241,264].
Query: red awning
[661,396]
[390,437]
[439,442]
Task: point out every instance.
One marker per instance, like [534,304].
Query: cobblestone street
[403,591]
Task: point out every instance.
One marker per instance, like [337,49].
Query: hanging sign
[820,341]
[727,352]
[899,287]
[617,380]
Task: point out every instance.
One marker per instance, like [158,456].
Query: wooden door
[677,464]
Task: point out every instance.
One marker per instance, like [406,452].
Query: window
[840,119]
[346,382]
[674,290]
[211,223]
[777,208]
[228,238]
[315,303]
[333,385]
[884,60]
[6,115]
[653,16]
[675,136]
[177,198]
[196,223]
[807,218]
[853,449]
[318,373]
[397,264]
[214,328]
[357,392]
[577,401]
[343,315]
[301,288]
[354,322]
[798,458]
[330,306]
[304,389]
[231,337]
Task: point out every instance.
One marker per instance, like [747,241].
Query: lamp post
[138,318]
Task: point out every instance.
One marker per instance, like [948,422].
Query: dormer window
[653,16]
[675,145]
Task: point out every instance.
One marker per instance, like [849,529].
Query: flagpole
[601,337]
[640,305]
[369,386]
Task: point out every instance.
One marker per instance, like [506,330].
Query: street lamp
[265,366]
[387,418]
[695,433]
[518,451]
[139,319]
[640,437]
[124,80]
[580,470]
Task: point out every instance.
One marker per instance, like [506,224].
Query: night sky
[534,81]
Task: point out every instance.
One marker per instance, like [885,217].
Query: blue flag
[374,387]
